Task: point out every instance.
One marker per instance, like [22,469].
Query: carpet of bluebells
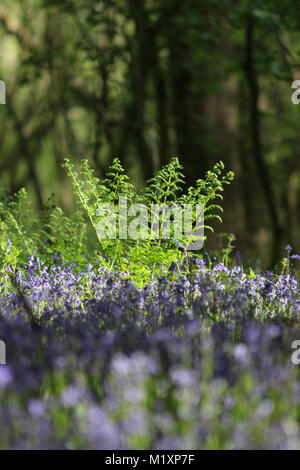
[198,361]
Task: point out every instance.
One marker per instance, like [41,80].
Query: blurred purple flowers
[199,361]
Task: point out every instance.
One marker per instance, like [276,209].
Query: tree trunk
[257,150]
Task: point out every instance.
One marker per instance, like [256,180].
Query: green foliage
[208,190]
[24,232]
[19,231]
[49,233]
[165,185]
[144,258]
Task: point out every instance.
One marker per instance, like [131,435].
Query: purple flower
[6,376]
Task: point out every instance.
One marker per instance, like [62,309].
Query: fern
[146,258]
[165,185]
[23,232]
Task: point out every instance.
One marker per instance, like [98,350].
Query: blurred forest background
[145,80]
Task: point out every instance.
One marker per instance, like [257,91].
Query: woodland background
[145,80]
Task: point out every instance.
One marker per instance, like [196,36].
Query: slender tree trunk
[28,154]
[257,150]
[140,71]
[162,110]
[188,91]
[246,168]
